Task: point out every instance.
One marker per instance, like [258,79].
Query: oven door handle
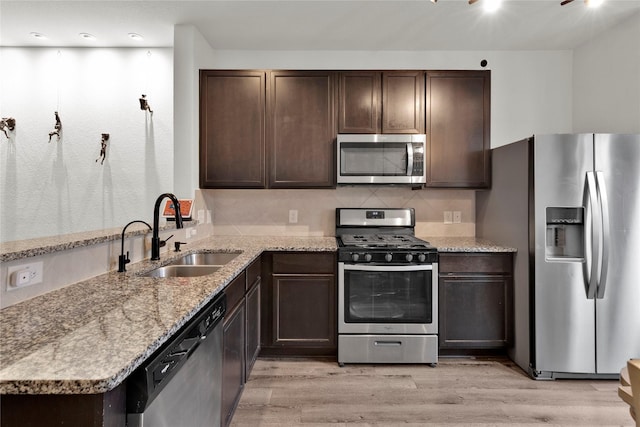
[369,267]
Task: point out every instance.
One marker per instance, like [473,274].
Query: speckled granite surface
[88,337]
[19,249]
[465,244]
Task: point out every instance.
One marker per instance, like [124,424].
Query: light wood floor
[457,392]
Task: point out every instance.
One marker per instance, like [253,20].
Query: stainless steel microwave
[381,159]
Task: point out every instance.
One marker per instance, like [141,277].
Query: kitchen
[518,110]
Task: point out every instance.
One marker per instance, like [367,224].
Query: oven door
[387,299]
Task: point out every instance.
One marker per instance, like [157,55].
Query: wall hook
[57,128]
[144,104]
[103,148]
[7,124]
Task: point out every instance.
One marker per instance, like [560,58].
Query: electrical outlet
[293,216]
[23,275]
[448,217]
[200,216]
[457,217]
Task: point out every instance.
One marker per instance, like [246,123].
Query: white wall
[606,81]
[52,188]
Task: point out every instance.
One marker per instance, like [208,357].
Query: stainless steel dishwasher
[181,383]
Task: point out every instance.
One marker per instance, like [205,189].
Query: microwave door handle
[409,159]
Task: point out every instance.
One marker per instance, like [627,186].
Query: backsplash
[266,212]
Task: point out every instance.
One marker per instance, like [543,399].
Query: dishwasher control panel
[148,380]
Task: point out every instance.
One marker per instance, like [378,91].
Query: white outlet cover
[17,275]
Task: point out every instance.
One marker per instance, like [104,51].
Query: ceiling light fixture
[37,35]
[589,3]
[87,36]
[489,5]
[135,36]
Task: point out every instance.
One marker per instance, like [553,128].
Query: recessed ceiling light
[136,37]
[87,36]
[38,35]
[593,3]
[492,5]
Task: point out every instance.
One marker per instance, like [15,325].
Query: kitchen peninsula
[85,339]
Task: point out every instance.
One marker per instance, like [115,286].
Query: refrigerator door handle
[590,267]
[603,201]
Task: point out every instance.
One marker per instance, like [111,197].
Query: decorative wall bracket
[57,128]
[144,104]
[103,148]
[7,124]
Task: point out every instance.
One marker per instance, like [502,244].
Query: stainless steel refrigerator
[570,205]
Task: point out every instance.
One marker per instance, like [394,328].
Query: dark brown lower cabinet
[233,371]
[241,336]
[253,325]
[475,295]
[299,300]
[90,410]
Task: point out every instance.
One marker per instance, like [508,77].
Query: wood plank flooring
[457,392]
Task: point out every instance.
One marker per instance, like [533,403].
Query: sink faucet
[156,243]
[122,259]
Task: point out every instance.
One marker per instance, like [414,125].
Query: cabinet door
[458,129]
[232,129]
[233,364]
[304,309]
[253,327]
[403,102]
[301,129]
[360,98]
[474,312]
[475,302]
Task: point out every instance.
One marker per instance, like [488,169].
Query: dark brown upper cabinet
[458,129]
[301,128]
[232,129]
[381,102]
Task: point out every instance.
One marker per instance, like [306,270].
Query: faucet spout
[156,243]
[123,259]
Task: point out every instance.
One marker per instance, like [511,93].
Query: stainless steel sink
[182,271]
[205,258]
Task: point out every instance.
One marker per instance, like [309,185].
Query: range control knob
[422,257]
[355,257]
[388,257]
[409,257]
[367,257]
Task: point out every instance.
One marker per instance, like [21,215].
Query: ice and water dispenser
[565,234]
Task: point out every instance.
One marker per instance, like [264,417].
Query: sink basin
[182,271]
[205,258]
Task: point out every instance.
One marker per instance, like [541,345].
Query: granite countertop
[88,337]
[466,244]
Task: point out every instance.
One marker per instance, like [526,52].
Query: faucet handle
[164,242]
[176,245]
[123,260]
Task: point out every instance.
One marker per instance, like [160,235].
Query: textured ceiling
[315,25]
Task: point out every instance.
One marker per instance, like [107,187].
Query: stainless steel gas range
[387,288]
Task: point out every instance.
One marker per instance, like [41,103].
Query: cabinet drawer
[304,263]
[235,291]
[496,263]
[253,273]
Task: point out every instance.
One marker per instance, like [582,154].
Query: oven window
[375,159]
[388,297]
